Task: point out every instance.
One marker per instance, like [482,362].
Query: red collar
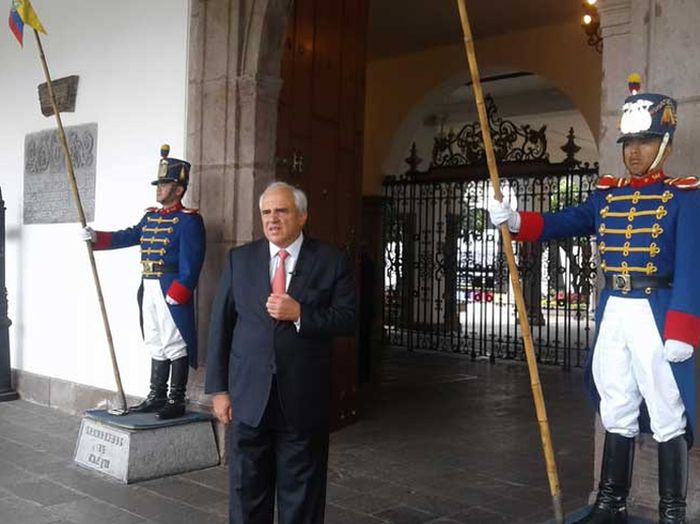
[172,209]
[647,179]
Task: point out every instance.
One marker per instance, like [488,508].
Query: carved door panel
[319,141]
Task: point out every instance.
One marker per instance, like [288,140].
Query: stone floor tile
[364,483]
[25,456]
[368,503]
[337,515]
[431,503]
[479,515]
[10,473]
[512,507]
[214,478]
[218,508]
[337,493]
[443,451]
[406,515]
[44,492]
[87,481]
[89,511]
[131,498]
[184,490]
[52,465]
[14,510]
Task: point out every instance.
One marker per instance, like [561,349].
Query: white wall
[131,57]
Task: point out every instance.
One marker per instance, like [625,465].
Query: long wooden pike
[545,434]
[76,197]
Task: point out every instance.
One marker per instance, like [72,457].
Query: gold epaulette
[610,181]
[686,182]
[190,210]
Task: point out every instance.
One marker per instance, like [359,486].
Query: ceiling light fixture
[590,21]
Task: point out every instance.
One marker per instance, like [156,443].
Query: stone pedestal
[138,446]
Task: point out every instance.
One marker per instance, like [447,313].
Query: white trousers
[628,366]
[160,334]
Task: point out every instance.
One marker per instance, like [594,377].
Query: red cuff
[531,226]
[178,292]
[682,326]
[103,240]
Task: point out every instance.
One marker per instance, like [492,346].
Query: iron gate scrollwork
[446,283]
[511,142]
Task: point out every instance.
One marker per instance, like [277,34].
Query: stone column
[658,39]
[234,82]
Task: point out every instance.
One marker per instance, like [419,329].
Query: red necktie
[279,281]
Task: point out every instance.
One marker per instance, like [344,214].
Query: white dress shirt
[290,262]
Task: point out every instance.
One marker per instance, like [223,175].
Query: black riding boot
[175,407]
[157,397]
[615,477]
[673,480]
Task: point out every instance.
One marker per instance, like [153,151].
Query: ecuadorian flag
[22,13]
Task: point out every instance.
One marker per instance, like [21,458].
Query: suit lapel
[261,274]
[303,268]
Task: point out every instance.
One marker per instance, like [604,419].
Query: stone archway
[235,52]
[548,98]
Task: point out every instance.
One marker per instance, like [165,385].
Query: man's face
[281,220]
[168,193]
[639,153]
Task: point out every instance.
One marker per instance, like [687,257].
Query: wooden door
[319,141]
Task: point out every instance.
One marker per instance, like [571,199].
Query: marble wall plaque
[48,197]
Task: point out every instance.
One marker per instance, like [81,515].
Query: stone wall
[234,83]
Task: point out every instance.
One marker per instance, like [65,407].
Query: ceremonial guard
[172,244]
[640,372]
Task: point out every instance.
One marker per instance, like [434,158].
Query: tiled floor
[442,440]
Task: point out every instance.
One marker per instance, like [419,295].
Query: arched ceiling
[404,26]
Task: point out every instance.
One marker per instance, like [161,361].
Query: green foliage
[568,194]
[474,221]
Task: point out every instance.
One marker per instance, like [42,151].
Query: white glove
[87,234]
[170,300]
[677,351]
[500,212]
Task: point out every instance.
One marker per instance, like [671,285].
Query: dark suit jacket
[245,342]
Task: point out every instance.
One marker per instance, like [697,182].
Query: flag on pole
[22,13]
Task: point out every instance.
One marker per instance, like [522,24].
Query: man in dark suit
[280,302]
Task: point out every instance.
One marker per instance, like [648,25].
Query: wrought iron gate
[446,283]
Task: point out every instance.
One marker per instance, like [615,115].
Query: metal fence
[446,282]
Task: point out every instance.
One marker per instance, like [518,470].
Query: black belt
[626,283]
[155,267]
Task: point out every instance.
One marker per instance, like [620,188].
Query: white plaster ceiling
[404,26]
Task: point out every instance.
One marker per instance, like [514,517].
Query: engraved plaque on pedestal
[103,448]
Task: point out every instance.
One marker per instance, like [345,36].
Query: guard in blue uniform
[172,244]
[640,373]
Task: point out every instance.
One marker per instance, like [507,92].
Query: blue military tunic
[643,227]
[172,250]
